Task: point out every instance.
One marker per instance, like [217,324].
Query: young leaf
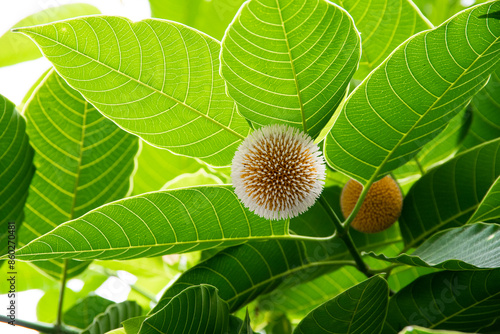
[412,95]
[485,116]
[488,209]
[197,309]
[469,247]
[83,160]
[454,300]
[17,48]
[362,308]
[112,317]
[212,17]
[448,195]
[154,78]
[290,61]
[16,171]
[383,24]
[157,223]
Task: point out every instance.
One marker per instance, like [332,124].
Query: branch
[39,326]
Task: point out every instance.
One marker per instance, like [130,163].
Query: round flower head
[277,172]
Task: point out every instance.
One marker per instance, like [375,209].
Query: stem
[61,295]
[420,168]
[360,201]
[41,327]
[343,234]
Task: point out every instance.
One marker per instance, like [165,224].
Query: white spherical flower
[278,172]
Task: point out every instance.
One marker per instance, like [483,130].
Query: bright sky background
[14,83]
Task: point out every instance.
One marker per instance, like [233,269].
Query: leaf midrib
[294,73]
[137,81]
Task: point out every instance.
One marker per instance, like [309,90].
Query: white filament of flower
[278,172]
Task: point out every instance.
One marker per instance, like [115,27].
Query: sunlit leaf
[17,48]
[157,79]
[414,93]
[289,61]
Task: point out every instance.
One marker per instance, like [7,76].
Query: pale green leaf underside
[448,195]
[113,317]
[421,330]
[489,208]
[485,116]
[411,96]
[289,61]
[17,48]
[82,160]
[197,309]
[383,24]
[361,309]
[154,78]
[455,300]
[16,168]
[468,247]
[158,223]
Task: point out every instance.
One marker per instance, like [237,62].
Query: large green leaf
[412,95]
[211,17]
[157,166]
[112,317]
[17,48]
[448,195]
[83,160]
[154,78]
[469,247]
[197,309]
[455,300]
[82,314]
[16,171]
[157,223]
[488,209]
[297,301]
[485,116]
[290,61]
[361,309]
[383,24]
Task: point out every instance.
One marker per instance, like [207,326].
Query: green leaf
[412,95]
[197,309]
[362,308]
[488,209]
[16,171]
[297,301]
[158,223]
[383,25]
[46,309]
[83,312]
[112,317]
[290,61]
[469,247]
[404,275]
[83,160]
[156,79]
[200,178]
[421,330]
[156,167]
[236,326]
[453,300]
[133,325]
[17,48]
[485,116]
[211,17]
[448,195]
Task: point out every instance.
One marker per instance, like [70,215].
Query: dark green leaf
[197,309]
[361,309]
[83,312]
[448,195]
[488,209]
[112,317]
[454,300]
